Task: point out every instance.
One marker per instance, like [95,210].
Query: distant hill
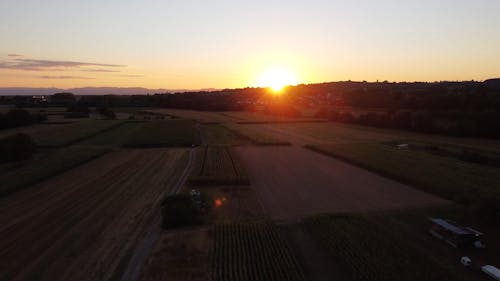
[88,91]
[493,83]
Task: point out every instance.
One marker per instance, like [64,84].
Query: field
[322,133]
[292,199]
[448,177]
[164,133]
[216,134]
[217,165]
[117,136]
[368,251]
[83,224]
[298,182]
[64,135]
[252,251]
[254,136]
[231,116]
[49,164]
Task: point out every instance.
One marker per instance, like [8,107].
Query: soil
[292,182]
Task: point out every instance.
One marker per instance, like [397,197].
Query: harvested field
[164,134]
[181,255]
[81,225]
[24,174]
[368,251]
[252,251]
[216,165]
[64,135]
[294,182]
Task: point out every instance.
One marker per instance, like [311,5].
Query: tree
[16,148]
[180,210]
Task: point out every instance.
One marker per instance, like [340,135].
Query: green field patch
[215,134]
[164,133]
[463,182]
[252,251]
[257,138]
[217,165]
[117,136]
[64,135]
[370,251]
[50,164]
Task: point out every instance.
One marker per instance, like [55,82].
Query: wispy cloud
[99,70]
[43,65]
[62,77]
[14,55]
[132,75]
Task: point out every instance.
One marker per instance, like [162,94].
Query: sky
[188,44]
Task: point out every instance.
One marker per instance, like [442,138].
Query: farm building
[453,234]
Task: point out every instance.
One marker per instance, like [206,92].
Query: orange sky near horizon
[230,44]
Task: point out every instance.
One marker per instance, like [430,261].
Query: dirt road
[293,182]
[81,224]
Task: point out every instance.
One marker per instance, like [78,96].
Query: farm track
[80,224]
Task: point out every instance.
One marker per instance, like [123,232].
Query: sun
[277,78]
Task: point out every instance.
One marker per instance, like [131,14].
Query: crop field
[369,251]
[200,116]
[448,177]
[83,224]
[64,135]
[215,134]
[232,116]
[255,136]
[28,129]
[117,136]
[50,164]
[252,251]
[217,165]
[320,133]
[164,134]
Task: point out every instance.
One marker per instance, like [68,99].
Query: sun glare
[277,78]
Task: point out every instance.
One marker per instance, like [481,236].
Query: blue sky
[197,44]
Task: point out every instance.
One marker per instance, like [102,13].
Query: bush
[180,211]
[106,112]
[16,148]
[20,117]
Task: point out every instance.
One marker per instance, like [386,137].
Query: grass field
[64,135]
[368,251]
[164,134]
[254,136]
[217,165]
[252,251]
[448,177]
[53,163]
